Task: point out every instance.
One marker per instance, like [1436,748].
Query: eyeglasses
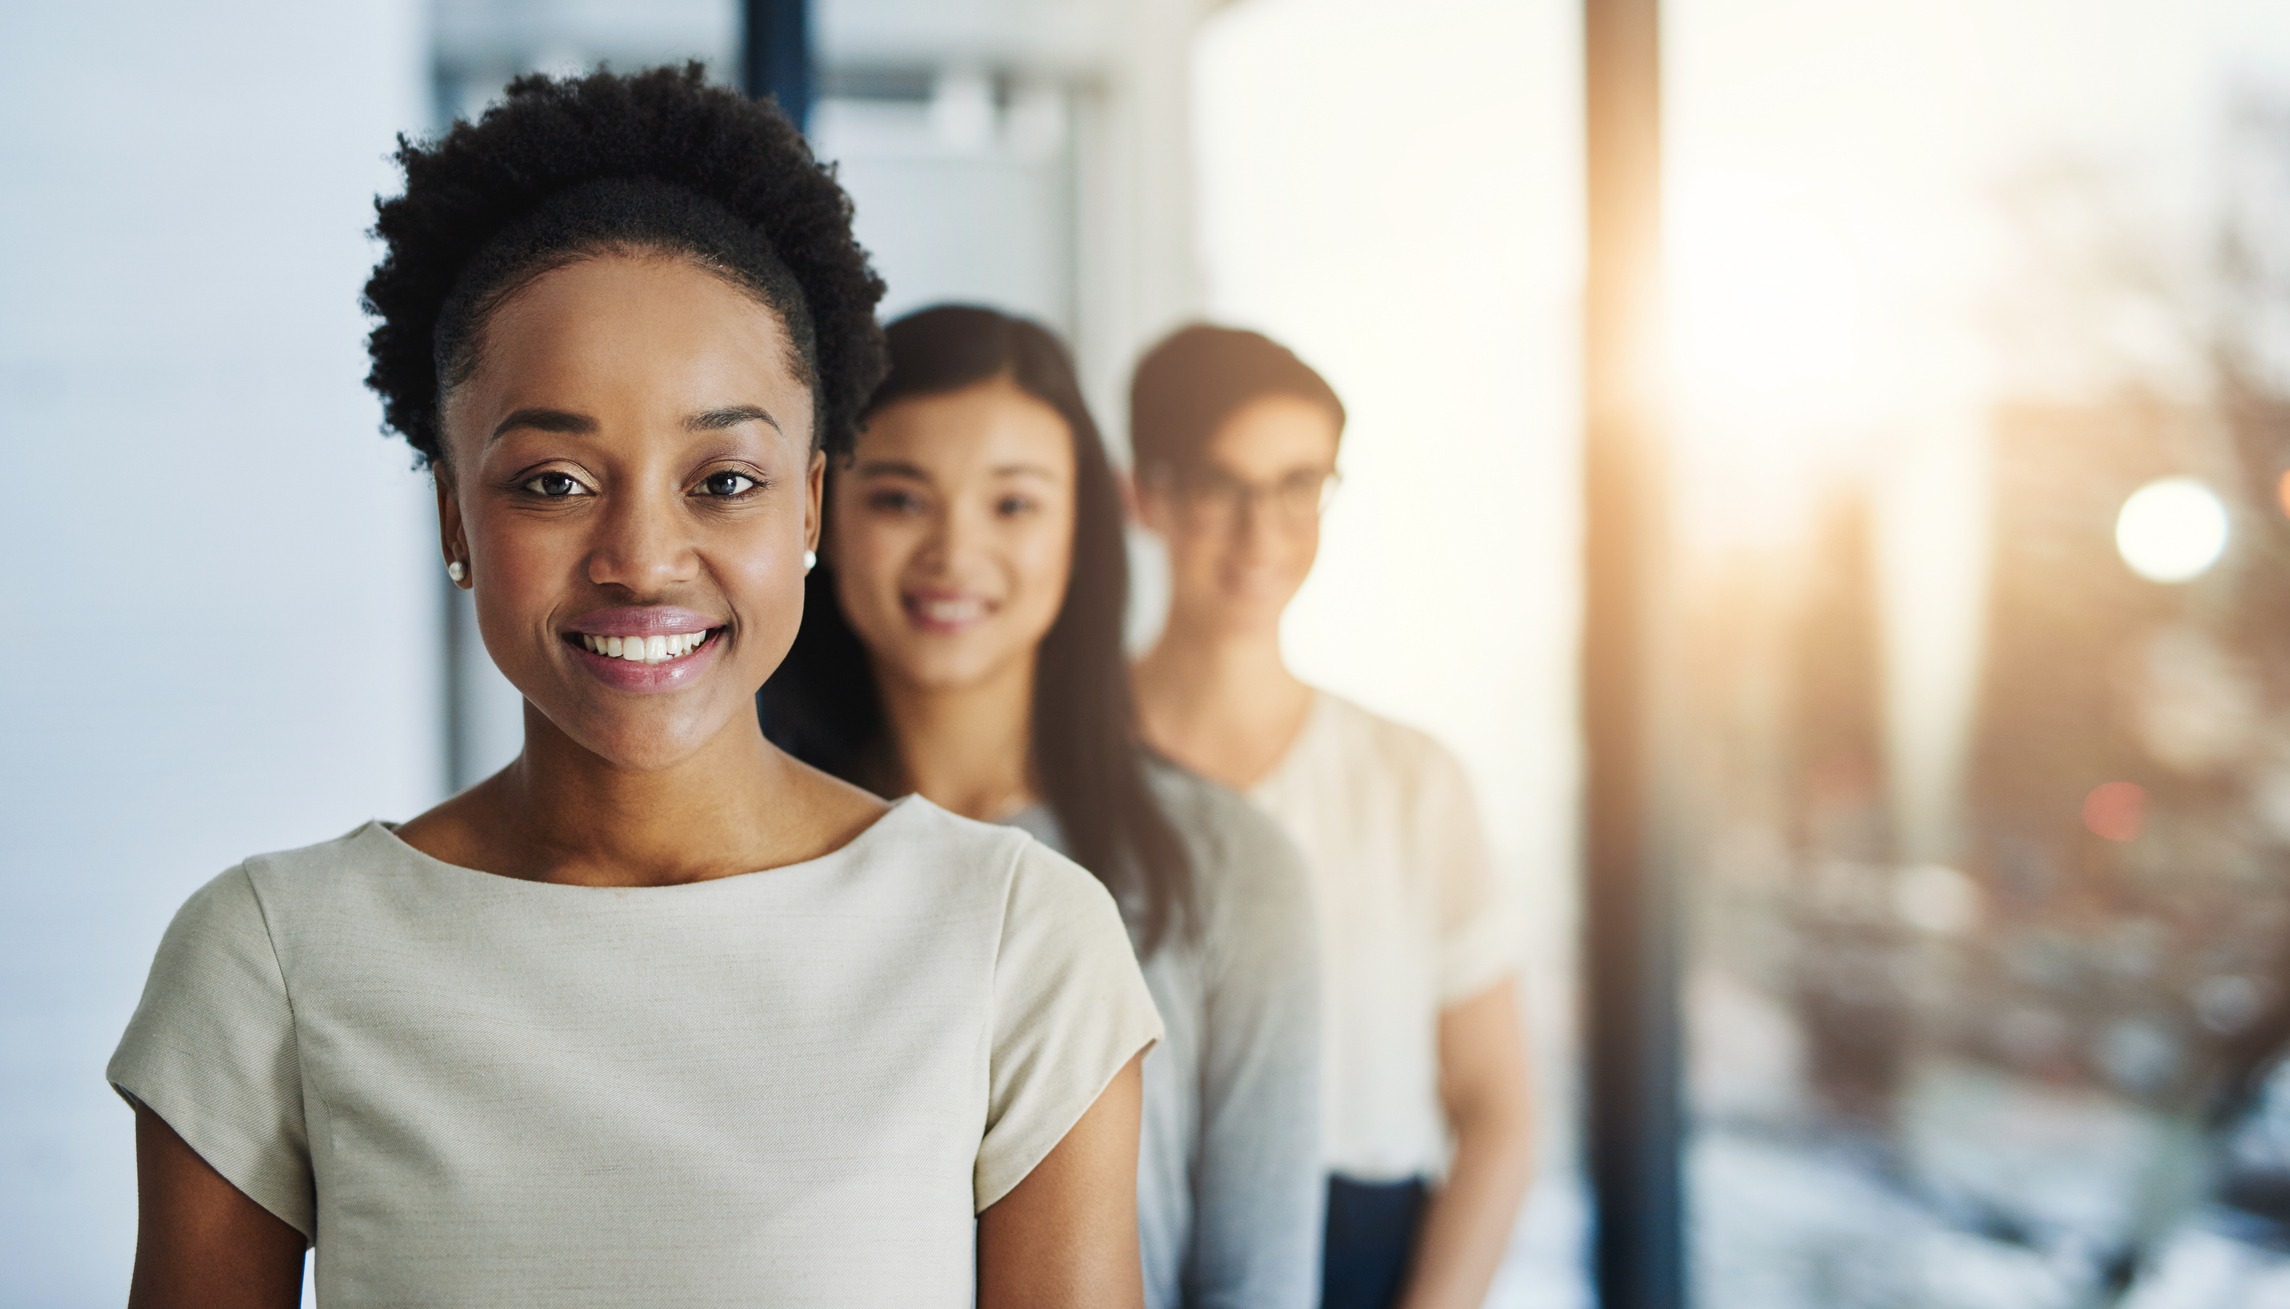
[1215,498]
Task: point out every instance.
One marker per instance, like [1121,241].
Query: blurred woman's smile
[946,611]
[952,534]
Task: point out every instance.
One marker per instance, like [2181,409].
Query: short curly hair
[563,169]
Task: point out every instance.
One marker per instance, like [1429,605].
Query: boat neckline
[387,831]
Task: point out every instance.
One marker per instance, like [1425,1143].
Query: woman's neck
[560,813]
[1221,703]
[967,749]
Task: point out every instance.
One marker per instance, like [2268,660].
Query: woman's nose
[949,541]
[642,546]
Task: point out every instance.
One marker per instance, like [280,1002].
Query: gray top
[1229,1182]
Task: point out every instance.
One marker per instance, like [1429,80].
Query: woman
[1235,442]
[963,641]
[558,1041]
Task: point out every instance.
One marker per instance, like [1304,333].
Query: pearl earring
[810,560]
[456,571]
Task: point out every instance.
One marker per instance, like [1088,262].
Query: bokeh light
[2171,530]
[2115,810]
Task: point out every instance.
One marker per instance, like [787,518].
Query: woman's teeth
[644,649]
[951,611]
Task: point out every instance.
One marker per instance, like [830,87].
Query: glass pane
[1978,322]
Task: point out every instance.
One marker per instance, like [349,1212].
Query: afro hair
[562,168]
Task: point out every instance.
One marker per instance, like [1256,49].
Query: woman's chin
[647,743]
[963,671]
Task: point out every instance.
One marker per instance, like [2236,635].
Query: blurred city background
[1975,655]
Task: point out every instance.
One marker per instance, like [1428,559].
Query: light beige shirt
[792,1087]
[1412,920]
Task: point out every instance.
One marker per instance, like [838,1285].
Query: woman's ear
[452,541]
[814,502]
[1147,501]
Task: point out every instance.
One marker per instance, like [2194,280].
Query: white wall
[958,200]
[1121,69]
[222,579]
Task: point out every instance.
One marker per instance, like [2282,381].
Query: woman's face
[952,534]
[1243,526]
[630,482]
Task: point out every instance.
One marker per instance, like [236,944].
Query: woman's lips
[944,612]
[642,620]
[644,649]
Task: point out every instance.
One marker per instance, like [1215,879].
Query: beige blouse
[792,1087]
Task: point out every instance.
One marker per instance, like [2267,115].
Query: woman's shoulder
[370,847]
[233,919]
[267,894]
[1206,810]
[914,828]
[1238,850]
[1024,871]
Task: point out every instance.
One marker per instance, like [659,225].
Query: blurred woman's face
[951,535]
[1243,525]
[630,482]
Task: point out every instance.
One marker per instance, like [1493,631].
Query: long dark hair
[823,706]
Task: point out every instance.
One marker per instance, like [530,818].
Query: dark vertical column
[1631,1032]
[775,50]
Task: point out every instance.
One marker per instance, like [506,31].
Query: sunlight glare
[2171,530]
[1768,317]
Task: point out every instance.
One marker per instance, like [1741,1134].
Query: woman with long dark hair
[962,639]
[656,1015]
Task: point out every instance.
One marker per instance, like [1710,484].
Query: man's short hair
[1188,385]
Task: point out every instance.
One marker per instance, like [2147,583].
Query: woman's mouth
[643,649]
[657,648]
[945,613]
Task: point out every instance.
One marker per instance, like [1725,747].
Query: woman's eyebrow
[716,420]
[544,420]
[1042,471]
[891,468]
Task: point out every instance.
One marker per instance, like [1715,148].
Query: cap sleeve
[211,1050]
[1480,935]
[1070,1008]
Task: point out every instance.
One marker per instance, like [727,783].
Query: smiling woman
[614,471]
[656,1014]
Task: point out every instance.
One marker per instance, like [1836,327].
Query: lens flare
[2171,530]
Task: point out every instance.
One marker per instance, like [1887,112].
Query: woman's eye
[555,486]
[728,484]
[894,502]
[1010,506]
